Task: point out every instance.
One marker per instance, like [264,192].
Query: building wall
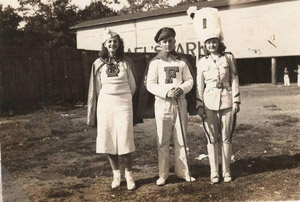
[261,29]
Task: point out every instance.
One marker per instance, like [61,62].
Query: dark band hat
[164,33]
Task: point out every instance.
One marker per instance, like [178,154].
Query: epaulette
[235,71]
[228,53]
[201,56]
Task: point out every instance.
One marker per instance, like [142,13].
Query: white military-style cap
[109,34]
[206,22]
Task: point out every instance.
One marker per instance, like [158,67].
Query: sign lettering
[191,48]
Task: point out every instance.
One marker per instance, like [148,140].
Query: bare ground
[49,155]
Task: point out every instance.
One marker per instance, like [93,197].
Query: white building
[251,28]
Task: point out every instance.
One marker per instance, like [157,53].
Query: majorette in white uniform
[113,93]
[168,71]
[218,90]
[112,85]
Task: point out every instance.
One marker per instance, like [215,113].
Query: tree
[134,6]
[9,22]
[95,10]
[48,22]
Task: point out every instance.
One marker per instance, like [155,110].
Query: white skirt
[114,124]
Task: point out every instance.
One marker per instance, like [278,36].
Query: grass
[51,155]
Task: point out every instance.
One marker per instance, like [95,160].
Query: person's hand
[235,108]
[178,92]
[171,93]
[201,112]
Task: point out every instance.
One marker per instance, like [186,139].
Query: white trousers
[168,124]
[219,125]
[298,80]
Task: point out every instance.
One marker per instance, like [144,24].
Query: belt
[218,84]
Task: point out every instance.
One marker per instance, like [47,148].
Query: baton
[182,133]
[204,128]
[233,126]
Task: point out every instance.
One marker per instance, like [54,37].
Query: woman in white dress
[112,85]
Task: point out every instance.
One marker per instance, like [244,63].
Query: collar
[165,55]
[108,60]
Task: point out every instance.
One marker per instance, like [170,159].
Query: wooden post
[86,69]
[274,70]
[1,84]
[1,93]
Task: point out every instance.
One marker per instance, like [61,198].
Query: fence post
[87,59]
[1,90]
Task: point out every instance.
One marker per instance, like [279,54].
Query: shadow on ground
[250,166]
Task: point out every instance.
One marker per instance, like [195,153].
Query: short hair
[120,52]
[164,33]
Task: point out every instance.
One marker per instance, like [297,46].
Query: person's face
[168,44]
[212,45]
[112,44]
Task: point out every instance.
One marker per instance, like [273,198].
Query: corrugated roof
[159,12]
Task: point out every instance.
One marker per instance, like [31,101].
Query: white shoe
[160,182]
[227,177]
[117,179]
[129,180]
[188,179]
[214,180]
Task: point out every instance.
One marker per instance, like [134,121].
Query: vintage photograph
[149,101]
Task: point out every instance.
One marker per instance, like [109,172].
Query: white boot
[226,158]
[220,153]
[117,179]
[129,180]
[213,156]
